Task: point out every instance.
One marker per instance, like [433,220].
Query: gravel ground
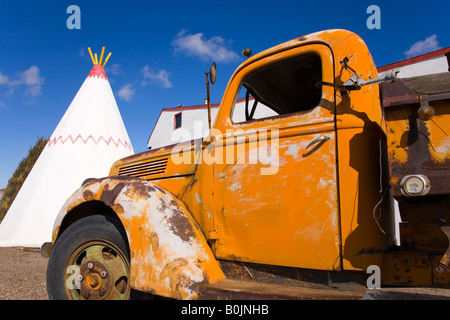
[22,277]
[22,274]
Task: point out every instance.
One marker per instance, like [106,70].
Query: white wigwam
[89,138]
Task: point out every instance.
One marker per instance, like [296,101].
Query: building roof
[423,57]
[201,106]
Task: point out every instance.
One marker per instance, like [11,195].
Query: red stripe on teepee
[98,71]
[54,141]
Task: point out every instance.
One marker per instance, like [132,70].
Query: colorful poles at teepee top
[95,60]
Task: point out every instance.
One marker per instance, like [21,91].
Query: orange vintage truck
[291,198]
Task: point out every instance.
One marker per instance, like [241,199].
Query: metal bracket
[425,112]
[355,82]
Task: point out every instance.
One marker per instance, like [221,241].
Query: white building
[430,63]
[182,119]
[175,125]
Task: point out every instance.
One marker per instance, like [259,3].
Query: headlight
[415,185]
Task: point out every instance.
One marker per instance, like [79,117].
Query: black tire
[90,260]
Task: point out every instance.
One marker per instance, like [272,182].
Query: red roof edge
[420,58]
[201,106]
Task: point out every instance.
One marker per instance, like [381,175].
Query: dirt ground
[22,277]
[22,274]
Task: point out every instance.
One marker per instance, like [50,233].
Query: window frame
[325,111]
[180,114]
[280,115]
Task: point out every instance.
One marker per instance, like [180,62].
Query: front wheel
[90,261]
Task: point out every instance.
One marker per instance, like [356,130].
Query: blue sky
[161,49]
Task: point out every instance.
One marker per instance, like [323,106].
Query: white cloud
[126,92]
[159,77]
[115,69]
[424,46]
[4,79]
[196,45]
[31,78]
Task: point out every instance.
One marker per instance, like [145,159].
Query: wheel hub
[103,272]
[95,281]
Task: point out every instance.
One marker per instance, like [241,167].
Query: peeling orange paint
[169,254]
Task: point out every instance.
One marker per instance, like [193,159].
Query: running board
[231,289]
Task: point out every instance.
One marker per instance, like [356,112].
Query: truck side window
[282,88]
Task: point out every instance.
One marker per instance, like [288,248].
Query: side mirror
[213,73]
[247,52]
[212,76]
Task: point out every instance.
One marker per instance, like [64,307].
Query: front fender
[169,254]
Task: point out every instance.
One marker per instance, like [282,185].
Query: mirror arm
[355,83]
[212,74]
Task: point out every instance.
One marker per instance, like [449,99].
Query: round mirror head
[247,52]
[213,72]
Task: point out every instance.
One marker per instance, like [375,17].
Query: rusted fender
[169,254]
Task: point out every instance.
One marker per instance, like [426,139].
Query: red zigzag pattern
[125,144]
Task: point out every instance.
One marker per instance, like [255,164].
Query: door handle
[320,139]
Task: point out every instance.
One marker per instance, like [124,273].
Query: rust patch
[152,237]
[397,93]
[90,181]
[141,189]
[179,224]
[88,195]
[416,141]
[154,241]
[109,196]
[55,234]
[421,145]
[193,181]
[162,204]
[177,280]
[118,208]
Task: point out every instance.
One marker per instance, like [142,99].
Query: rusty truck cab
[314,207]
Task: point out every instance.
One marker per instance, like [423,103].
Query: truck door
[274,181]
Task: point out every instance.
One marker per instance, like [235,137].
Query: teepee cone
[89,138]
